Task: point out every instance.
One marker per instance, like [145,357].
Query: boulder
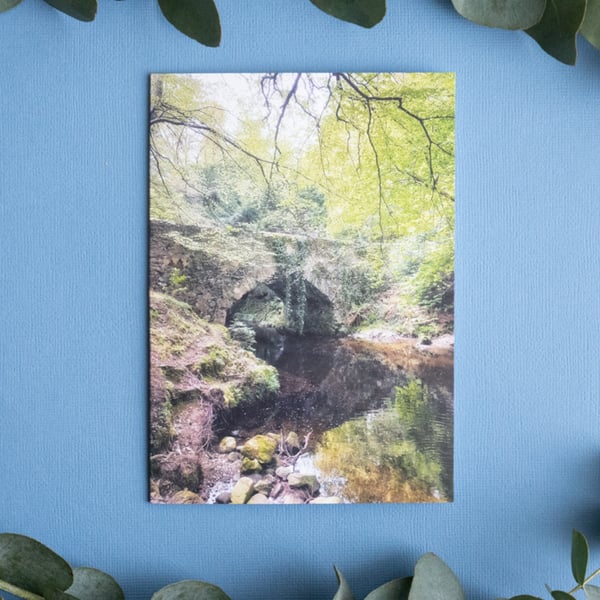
[292,499]
[250,465]
[284,472]
[326,500]
[227,445]
[261,448]
[298,480]
[223,498]
[185,497]
[243,489]
[259,499]
[181,471]
[265,484]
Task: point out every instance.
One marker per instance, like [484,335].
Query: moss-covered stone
[261,448]
[250,465]
[185,497]
[227,445]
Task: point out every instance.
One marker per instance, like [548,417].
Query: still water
[378,416]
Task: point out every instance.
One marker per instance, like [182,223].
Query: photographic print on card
[301,302]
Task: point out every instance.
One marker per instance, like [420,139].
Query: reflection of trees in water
[395,454]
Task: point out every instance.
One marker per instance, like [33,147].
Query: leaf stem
[17,591]
[581,585]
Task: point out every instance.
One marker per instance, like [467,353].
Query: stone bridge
[213,268]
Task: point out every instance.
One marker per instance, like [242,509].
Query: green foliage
[30,570]
[554,25]
[198,19]
[366,13]
[509,14]
[190,590]
[82,10]
[244,334]
[557,31]
[8,4]
[176,279]
[161,428]
[434,281]
[214,363]
[262,382]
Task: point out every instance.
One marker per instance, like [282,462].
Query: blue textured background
[73,196]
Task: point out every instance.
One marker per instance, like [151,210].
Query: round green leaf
[190,589]
[344,592]
[365,13]
[28,564]
[83,10]
[505,14]
[590,28]
[557,31]
[8,4]
[198,19]
[91,584]
[525,597]
[558,595]
[433,580]
[579,556]
[397,589]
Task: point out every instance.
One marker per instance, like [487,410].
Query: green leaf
[579,556]
[91,584]
[557,31]
[198,19]
[558,595]
[31,566]
[525,597]
[592,592]
[591,23]
[344,592]
[397,589]
[505,14]
[433,580]
[189,589]
[365,13]
[83,10]
[8,4]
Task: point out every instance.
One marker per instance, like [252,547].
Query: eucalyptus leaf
[558,595]
[91,584]
[366,13]
[344,592]
[591,23]
[592,592]
[557,31]
[189,589]
[579,556]
[198,19]
[28,564]
[8,4]
[82,10]
[434,580]
[397,589]
[505,14]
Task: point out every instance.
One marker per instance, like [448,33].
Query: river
[377,416]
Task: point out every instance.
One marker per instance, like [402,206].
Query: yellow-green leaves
[557,30]
[505,14]
[82,10]
[198,19]
[365,13]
